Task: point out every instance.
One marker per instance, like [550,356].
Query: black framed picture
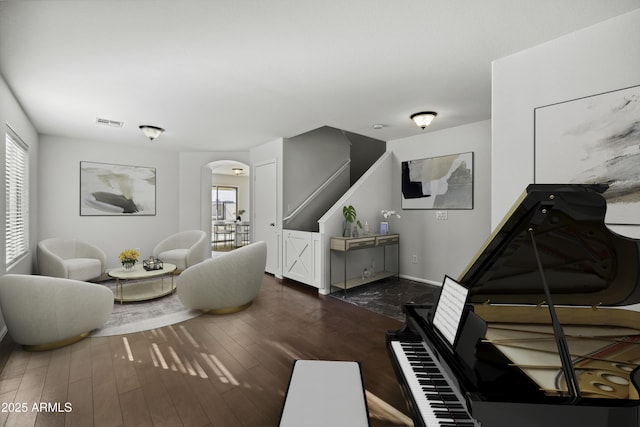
[444,182]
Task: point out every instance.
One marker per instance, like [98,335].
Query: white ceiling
[230,75]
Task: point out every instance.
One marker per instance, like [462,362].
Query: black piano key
[442,397]
[456,424]
[434,382]
[452,414]
[432,371]
[427,387]
[448,405]
[420,360]
[459,416]
[441,389]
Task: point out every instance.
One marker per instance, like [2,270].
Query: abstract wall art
[444,182]
[108,189]
[594,140]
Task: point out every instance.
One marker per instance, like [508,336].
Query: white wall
[443,247]
[59,204]
[598,59]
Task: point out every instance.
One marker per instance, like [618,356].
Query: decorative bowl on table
[152,263]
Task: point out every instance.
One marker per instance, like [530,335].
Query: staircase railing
[319,190]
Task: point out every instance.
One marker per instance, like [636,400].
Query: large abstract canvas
[444,182]
[107,189]
[595,139]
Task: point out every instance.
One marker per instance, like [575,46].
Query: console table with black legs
[344,245]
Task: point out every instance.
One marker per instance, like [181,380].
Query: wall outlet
[441,215]
[414,259]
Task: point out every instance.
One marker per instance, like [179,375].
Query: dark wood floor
[214,370]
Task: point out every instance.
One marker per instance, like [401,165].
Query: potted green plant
[350,219]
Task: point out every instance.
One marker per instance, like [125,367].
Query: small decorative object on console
[152,263]
[350,221]
[384,225]
[388,214]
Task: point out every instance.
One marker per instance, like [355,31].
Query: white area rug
[145,315]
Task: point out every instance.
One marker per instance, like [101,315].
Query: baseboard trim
[421,280]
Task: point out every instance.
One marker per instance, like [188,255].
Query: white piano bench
[325,393]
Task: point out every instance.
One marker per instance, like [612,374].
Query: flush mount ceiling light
[424,118]
[237,171]
[151,132]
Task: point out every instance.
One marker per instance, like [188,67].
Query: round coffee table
[141,290]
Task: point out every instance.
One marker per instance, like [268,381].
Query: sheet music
[449,309]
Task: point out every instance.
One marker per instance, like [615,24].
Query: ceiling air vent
[107,122]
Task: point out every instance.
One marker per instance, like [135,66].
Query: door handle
[273,224]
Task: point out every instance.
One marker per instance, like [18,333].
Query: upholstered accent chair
[226,283]
[44,312]
[184,249]
[70,259]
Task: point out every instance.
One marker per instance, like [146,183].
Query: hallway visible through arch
[229,205]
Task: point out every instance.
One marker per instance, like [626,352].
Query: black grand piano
[548,336]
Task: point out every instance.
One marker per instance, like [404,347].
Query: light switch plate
[441,215]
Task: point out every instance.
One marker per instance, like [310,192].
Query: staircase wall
[310,159]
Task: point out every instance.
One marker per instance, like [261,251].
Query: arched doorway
[229,205]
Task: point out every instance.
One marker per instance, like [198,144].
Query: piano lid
[585,263]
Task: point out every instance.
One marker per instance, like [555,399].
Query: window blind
[17,198]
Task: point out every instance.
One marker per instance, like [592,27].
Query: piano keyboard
[435,399]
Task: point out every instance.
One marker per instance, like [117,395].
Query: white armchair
[70,259]
[47,312]
[224,284]
[183,249]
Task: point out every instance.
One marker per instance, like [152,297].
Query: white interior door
[265,226]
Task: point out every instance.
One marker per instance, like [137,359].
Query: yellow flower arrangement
[129,256]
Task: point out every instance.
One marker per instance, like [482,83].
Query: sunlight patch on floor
[127,349]
[191,339]
[381,410]
[219,369]
[157,357]
[287,350]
